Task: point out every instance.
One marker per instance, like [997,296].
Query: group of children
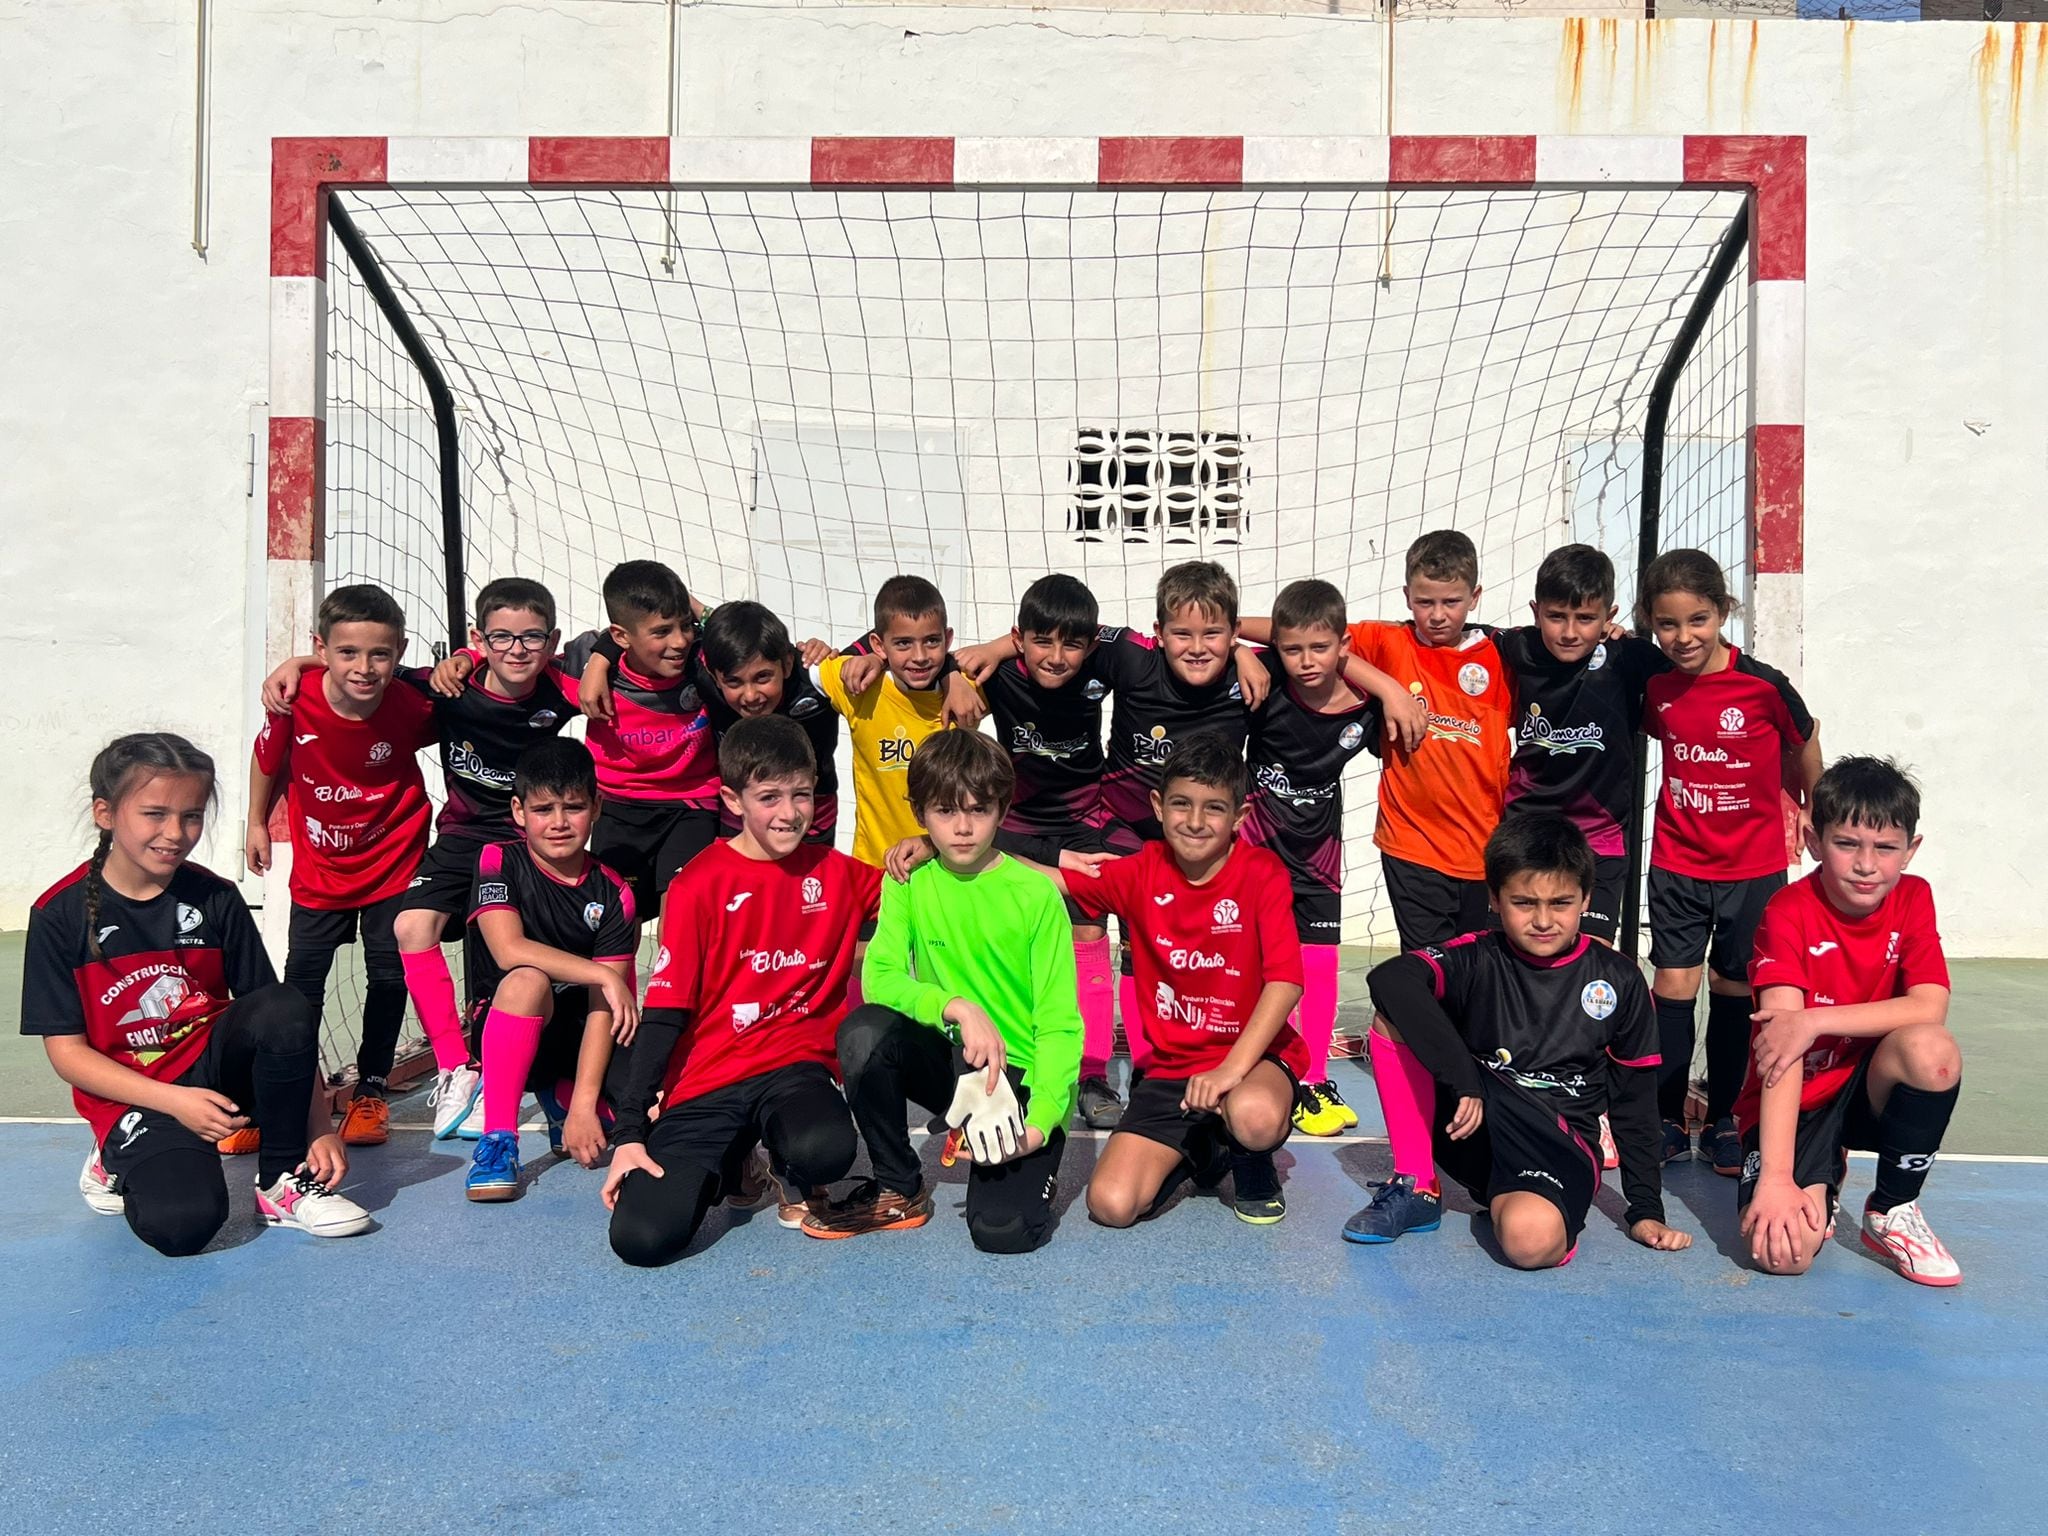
[802,1002]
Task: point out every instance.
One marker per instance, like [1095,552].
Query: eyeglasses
[525,640]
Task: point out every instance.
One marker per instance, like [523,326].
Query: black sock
[284,1083]
[1674,1044]
[1909,1132]
[372,1088]
[1727,1052]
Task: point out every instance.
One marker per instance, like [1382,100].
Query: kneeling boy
[1563,1031]
[970,972]
[746,998]
[1852,1047]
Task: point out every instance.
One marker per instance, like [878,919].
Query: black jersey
[482,734]
[1153,713]
[593,919]
[166,966]
[804,703]
[1575,727]
[1298,756]
[1054,738]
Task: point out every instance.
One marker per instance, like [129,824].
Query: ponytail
[93,885]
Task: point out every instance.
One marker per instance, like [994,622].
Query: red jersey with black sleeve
[358,806]
[592,917]
[1297,757]
[1154,711]
[1725,737]
[1202,953]
[1803,940]
[1054,738]
[757,953]
[166,967]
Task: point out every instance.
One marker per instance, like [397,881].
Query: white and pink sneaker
[1610,1156]
[1902,1238]
[302,1201]
[97,1185]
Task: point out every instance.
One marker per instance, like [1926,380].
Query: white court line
[1294,1142]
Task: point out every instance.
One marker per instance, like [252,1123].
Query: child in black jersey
[149,985]
[1513,1043]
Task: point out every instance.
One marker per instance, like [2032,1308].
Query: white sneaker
[454,1094]
[302,1201]
[1610,1157]
[471,1127]
[1902,1238]
[97,1185]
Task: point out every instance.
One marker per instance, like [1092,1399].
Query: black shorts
[1431,907]
[447,875]
[1603,918]
[324,930]
[1685,910]
[1318,912]
[647,841]
[1072,837]
[1821,1145]
[1154,1113]
[1523,1144]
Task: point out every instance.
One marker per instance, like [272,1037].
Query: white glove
[993,1122]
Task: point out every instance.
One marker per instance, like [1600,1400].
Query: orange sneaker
[240,1143]
[870,1208]
[366,1122]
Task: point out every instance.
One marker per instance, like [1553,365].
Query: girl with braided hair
[149,985]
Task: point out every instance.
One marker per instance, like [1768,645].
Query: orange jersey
[1440,803]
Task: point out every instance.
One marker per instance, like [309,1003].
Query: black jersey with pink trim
[1154,711]
[592,918]
[166,967]
[804,703]
[482,733]
[1054,738]
[1297,757]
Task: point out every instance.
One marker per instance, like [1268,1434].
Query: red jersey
[1202,953]
[1803,941]
[759,954]
[1725,737]
[358,807]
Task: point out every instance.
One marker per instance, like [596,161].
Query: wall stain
[1571,69]
[1749,75]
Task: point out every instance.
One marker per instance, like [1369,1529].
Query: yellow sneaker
[1327,1092]
[1313,1115]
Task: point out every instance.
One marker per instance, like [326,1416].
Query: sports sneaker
[1677,1143]
[471,1127]
[366,1122]
[554,1108]
[1332,1099]
[302,1201]
[1313,1114]
[494,1167]
[756,1184]
[240,1143]
[1397,1207]
[1610,1155]
[1902,1238]
[1255,1189]
[791,1208]
[1100,1107]
[97,1185]
[1721,1145]
[869,1208]
[454,1095]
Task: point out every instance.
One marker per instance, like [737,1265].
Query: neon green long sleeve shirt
[1001,940]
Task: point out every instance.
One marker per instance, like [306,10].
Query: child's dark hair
[1577,573]
[1443,555]
[1872,792]
[359,604]
[1683,570]
[907,597]
[1210,758]
[561,765]
[1308,605]
[514,592]
[735,633]
[1058,605]
[1538,842]
[121,765]
[1200,584]
[955,768]
[766,747]
[644,589]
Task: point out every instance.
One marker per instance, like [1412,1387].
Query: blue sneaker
[555,1113]
[1677,1144]
[1721,1145]
[494,1167]
[1397,1207]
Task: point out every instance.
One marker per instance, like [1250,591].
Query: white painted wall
[125,414]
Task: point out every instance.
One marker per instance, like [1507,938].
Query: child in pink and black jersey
[1736,737]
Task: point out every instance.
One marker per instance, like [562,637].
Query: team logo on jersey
[1731,719]
[380,751]
[130,1126]
[1561,740]
[493,892]
[110,928]
[189,920]
[1236,692]
[737,901]
[1598,659]
[309,736]
[1598,999]
[802,707]
[661,960]
[1752,1165]
[542,718]
[1160,901]
[894,752]
[1094,689]
[1817,950]
[1351,736]
[465,761]
[1153,746]
[814,894]
[1225,913]
[1473,678]
[593,914]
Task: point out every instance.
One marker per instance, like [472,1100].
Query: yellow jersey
[886,724]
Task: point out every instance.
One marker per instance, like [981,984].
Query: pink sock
[433,996]
[1315,1017]
[1098,1006]
[1407,1099]
[511,1041]
[1134,1024]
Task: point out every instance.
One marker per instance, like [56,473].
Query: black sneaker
[1255,1188]
[1100,1108]
[1721,1145]
[1677,1143]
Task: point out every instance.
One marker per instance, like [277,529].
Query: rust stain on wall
[1571,68]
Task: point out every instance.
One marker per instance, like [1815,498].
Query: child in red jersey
[358,814]
[149,985]
[738,1032]
[1736,736]
[1852,1047]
